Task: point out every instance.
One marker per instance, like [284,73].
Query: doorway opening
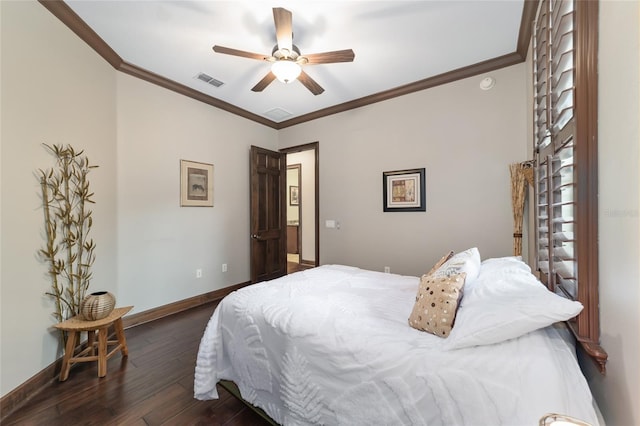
[302,194]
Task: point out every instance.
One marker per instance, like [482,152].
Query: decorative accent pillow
[505,302]
[440,262]
[436,303]
[467,261]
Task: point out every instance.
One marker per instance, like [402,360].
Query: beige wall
[60,94]
[308,201]
[160,244]
[618,392]
[463,136]
[148,247]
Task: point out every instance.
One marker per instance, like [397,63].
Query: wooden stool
[73,327]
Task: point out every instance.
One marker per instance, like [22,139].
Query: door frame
[315,146]
[298,168]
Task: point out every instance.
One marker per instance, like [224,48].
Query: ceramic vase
[97,305]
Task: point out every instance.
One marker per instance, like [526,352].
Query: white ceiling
[395,43]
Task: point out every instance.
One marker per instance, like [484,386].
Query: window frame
[584,133]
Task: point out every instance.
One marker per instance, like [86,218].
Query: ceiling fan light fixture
[286,61]
[286,70]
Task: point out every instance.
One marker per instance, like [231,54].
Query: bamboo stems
[518,191]
[69,253]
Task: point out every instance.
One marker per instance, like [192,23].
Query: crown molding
[68,17]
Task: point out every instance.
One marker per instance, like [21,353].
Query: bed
[333,345]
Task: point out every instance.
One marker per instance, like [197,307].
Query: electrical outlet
[387,270]
[224,267]
[198,273]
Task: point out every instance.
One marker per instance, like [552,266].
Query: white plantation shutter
[565,135]
[554,70]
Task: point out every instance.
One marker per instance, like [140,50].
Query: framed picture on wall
[404,191]
[196,184]
[294,196]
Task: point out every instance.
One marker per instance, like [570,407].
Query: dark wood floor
[296,267]
[153,386]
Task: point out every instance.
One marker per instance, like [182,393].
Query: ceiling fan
[286,59]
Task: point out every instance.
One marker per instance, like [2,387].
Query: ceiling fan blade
[310,83]
[330,57]
[236,52]
[284,28]
[262,84]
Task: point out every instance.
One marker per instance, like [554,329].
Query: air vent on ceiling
[209,80]
[277,114]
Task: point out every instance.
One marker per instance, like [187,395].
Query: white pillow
[505,303]
[467,261]
[492,265]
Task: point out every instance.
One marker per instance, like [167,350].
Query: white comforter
[331,345]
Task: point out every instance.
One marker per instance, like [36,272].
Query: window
[565,149]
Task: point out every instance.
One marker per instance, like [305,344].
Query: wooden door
[268,214]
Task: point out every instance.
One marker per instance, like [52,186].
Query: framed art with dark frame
[294,196]
[196,184]
[404,191]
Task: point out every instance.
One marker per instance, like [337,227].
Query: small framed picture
[404,191]
[196,184]
[294,196]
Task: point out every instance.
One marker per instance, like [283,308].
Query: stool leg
[68,353]
[102,351]
[124,350]
[91,338]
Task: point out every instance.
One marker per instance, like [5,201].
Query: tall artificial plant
[69,251]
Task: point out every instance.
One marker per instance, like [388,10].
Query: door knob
[255,236]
